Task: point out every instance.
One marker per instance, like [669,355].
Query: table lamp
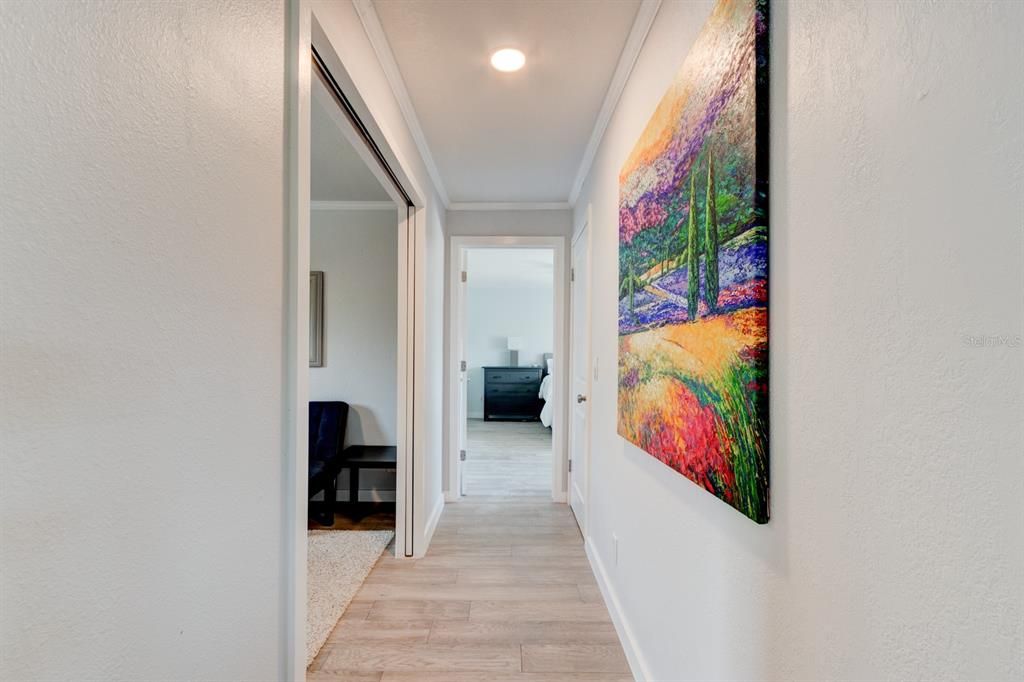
[515,344]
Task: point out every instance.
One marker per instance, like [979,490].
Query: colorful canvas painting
[693,267]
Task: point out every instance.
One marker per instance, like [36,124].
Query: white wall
[143,254]
[142,270]
[529,223]
[358,254]
[496,312]
[895,545]
[431,407]
[342,24]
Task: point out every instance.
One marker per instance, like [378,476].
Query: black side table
[357,457]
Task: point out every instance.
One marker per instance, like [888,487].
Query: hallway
[504,593]
[507,458]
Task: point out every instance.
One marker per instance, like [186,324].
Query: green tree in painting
[711,240]
[681,246]
[629,286]
[693,274]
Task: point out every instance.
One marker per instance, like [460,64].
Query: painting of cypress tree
[693,262]
[711,239]
[630,283]
[693,317]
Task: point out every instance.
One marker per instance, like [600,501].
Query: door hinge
[462,365]
[465,276]
[572,274]
[462,455]
[570,466]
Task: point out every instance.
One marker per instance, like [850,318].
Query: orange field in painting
[694,395]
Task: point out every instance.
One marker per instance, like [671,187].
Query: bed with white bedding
[546,387]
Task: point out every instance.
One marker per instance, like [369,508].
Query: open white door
[462,372]
[579,411]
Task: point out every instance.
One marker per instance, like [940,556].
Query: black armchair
[327,422]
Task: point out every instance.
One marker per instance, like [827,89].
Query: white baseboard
[449,496]
[611,601]
[560,496]
[435,518]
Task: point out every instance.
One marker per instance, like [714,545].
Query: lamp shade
[515,343]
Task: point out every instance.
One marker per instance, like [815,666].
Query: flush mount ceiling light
[508,59]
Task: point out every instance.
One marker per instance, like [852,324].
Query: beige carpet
[338,563]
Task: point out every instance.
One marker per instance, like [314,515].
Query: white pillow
[551,365]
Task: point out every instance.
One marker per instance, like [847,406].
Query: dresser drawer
[512,376]
[511,390]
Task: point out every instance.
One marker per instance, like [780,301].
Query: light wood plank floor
[507,458]
[505,594]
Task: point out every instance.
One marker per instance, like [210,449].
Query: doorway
[354,391]
[318,77]
[353,247]
[507,336]
[509,357]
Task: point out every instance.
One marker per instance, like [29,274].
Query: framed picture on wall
[316,318]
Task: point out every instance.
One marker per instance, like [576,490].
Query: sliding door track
[357,123]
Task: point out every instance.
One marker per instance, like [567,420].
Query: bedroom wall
[358,252]
[894,549]
[495,311]
[142,205]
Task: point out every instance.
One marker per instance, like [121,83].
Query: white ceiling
[500,137]
[510,267]
[338,172]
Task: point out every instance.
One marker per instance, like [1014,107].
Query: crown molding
[510,206]
[627,60]
[381,47]
[353,206]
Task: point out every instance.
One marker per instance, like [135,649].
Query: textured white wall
[142,264]
[495,313]
[895,546]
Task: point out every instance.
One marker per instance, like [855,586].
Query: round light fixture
[508,59]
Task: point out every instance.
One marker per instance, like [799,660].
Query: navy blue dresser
[510,393]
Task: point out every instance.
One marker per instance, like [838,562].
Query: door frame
[456,334]
[303,31]
[575,348]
